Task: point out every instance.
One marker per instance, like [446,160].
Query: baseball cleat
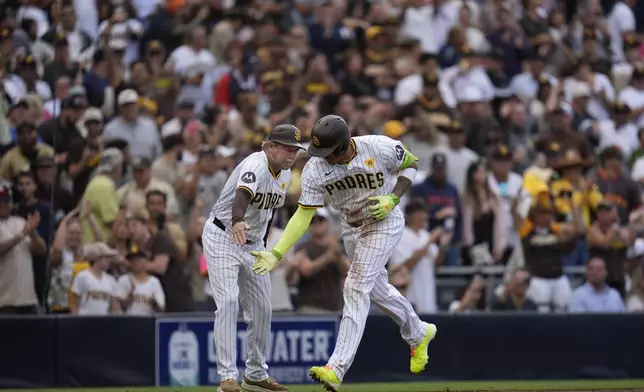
[419,357]
[229,385]
[266,385]
[325,376]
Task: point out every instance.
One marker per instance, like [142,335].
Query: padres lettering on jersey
[267,190]
[373,171]
[357,181]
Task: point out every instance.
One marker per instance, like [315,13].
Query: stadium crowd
[121,119]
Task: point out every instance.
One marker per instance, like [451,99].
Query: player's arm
[295,229]
[311,199]
[397,159]
[245,191]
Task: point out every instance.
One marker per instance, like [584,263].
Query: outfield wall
[61,351]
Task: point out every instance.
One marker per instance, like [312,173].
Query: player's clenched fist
[383,205]
[265,262]
[239,233]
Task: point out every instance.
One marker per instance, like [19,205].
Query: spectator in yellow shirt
[573,186]
[101,193]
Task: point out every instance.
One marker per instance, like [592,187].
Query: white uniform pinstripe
[229,266]
[369,243]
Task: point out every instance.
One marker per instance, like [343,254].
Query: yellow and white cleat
[419,357]
[325,376]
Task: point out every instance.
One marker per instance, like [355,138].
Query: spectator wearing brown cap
[572,190]
[94,290]
[543,241]
[163,263]
[19,240]
[132,195]
[561,132]
[101,191]
[25,153]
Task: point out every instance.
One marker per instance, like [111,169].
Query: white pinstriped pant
[232,279]
[369,248]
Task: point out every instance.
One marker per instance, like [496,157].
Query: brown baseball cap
[286,134]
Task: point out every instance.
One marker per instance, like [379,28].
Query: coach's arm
[266,261]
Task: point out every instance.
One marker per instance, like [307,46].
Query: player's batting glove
[265,262]
[383,205]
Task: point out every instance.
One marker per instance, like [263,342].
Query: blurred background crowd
[120,121]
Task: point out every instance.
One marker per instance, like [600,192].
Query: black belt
[222,227]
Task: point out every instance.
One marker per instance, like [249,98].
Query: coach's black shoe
[229,386]
[266,385]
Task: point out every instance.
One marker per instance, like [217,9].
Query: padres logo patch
[316,141]
[283,185]
[298,135]
[369,162]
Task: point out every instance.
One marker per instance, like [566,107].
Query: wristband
[277,254]
[409,173]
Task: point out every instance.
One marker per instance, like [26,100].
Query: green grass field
[452,386]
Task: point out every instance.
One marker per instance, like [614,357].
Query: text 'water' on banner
[186,354]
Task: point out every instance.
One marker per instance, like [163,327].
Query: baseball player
[364,178]
[239,223]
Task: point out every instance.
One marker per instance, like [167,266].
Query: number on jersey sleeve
[394,154]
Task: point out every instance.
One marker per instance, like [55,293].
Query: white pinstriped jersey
[268,193]
[373,171]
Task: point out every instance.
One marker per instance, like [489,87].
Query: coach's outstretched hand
[265,262]
[383,205]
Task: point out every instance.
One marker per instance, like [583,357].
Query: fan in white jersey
[364,178]
[238,224]
[93,290]
[139,293]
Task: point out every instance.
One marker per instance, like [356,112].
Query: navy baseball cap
[439,161]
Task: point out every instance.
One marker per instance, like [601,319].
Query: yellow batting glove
[383,205]
[265,262]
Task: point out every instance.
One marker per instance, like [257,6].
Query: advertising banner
[186,354]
